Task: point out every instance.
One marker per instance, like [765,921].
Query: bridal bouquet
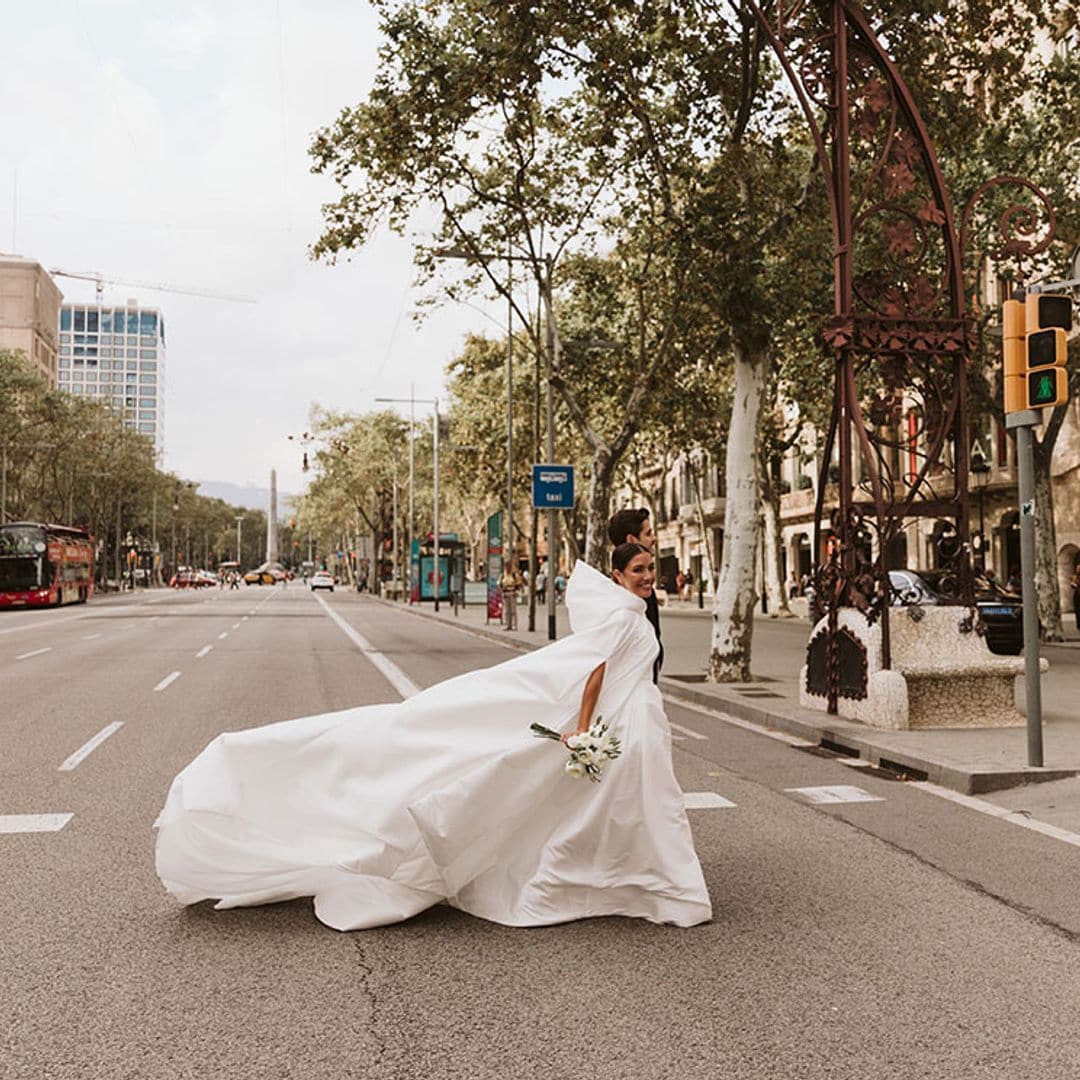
[590,751]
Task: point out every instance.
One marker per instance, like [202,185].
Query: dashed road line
[834,793]
[23,823]
[87,747]
[1014,817]
[36,652]
[394,675]
[90,637]
[236,626]
[223,635]
[203,651]
[167,681]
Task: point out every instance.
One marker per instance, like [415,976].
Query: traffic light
[1035,330]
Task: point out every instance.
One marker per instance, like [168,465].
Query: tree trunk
[599,510]
[733,608]
[774,579]
[1046,570]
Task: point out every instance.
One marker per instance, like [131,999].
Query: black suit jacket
[652,613]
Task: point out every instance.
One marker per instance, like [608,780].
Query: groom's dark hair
[626,523]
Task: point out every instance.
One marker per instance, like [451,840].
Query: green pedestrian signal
[1047,386]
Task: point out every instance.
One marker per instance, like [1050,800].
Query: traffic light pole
[1022,423]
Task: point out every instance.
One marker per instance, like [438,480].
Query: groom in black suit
[633,526]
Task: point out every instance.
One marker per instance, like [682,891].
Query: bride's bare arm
[589,697]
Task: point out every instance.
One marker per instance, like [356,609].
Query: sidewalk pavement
[971,761]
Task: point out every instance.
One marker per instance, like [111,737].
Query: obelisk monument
[271,521]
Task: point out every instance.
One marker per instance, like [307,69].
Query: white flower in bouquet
[590,751]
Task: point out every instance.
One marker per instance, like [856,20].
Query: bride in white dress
[381,811]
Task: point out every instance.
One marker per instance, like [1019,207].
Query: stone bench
[940,677]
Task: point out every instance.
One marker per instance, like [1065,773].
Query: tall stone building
[29,313]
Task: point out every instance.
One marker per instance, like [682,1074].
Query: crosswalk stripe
[705,800]
[21,823]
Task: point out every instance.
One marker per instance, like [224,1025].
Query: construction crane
[100,281]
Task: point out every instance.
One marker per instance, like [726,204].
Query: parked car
[1001,611]
[322,579]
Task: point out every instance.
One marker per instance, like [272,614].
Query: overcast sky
[166,143]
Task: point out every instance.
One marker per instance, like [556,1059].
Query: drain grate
[838,748]
[895,770]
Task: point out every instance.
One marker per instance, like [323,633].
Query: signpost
[494,566]
[553,488]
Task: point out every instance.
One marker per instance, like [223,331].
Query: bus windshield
[22,540]
[19,574]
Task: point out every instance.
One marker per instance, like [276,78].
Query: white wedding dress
[381,811]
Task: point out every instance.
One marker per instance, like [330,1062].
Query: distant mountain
[246,498]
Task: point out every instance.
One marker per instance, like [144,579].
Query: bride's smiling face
[639,575]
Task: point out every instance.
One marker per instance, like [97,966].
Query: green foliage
[71,460]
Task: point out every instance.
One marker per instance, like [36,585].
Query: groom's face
[646,536]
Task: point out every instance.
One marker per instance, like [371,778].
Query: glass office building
[117,355]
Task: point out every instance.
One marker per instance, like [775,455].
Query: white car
[322,579]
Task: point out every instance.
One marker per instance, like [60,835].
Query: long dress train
[381,811]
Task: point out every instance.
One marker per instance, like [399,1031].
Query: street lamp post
[980,468]
[508,528]
[239,523]
[412,402]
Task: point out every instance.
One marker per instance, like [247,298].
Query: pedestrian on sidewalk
[509,583]
[541,584]
[688,586]
[632,526]
[1074,583]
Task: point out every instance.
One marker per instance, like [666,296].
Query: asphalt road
[902,937]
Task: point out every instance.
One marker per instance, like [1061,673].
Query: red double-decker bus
[45,565]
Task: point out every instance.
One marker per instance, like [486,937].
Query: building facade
[29,309]
[116,354]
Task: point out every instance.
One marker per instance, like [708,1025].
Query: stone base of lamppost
[940,676]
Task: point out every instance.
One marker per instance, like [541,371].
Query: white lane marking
[41,624]
[223,635]
[154,619]
[835,793]
[236,626]
[1014,817]
[705,800]
[93,744]
[203,651]
[167,681]
[686,731]
[90,637]
[19,823]
[244,619]
[394,675]
[36,652]
[737,721]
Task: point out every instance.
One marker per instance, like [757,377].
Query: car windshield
[19,574]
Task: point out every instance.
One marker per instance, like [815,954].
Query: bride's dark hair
[621,556]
